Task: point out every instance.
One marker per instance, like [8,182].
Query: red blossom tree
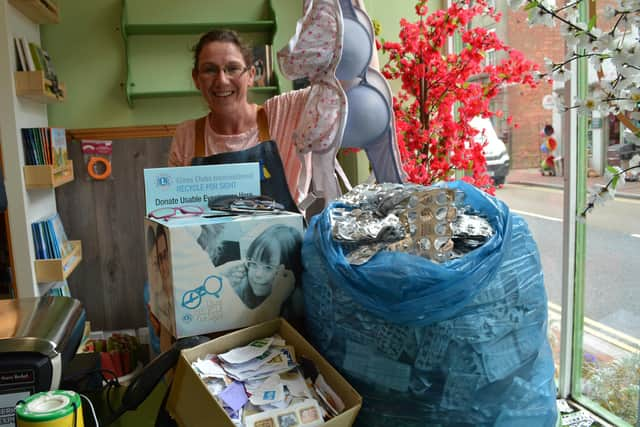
[433,141]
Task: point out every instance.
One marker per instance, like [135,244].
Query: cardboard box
[215,274]
[191,404]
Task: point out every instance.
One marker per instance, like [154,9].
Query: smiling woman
[223,74]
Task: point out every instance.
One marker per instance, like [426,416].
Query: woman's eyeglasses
[182,211]
[232,71]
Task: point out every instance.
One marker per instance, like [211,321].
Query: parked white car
[495,151]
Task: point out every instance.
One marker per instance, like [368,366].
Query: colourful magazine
[59,149]
[63,244]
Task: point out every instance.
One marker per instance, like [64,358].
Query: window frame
[574,247]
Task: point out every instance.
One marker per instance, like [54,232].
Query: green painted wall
[88,53]
[389,13]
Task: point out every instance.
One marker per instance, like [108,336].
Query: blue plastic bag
[458,343]
[427,292]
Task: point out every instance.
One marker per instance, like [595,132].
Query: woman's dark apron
[273,182]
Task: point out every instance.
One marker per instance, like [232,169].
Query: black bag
[273,182]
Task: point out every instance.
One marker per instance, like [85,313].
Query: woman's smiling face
[223,77]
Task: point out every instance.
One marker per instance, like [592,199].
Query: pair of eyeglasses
[259,265]
[244,204]
[212,285]
[232,71]
[256,204]
[182,211]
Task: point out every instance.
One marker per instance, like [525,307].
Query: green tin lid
[48,406]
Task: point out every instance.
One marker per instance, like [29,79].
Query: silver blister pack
[399,217]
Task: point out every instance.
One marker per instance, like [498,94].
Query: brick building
[523,103]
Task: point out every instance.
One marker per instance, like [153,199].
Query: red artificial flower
[434,144]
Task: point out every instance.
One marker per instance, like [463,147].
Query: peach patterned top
[283,113]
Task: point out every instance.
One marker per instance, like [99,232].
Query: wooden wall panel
[108,217]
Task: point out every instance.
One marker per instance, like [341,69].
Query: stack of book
[50,239]
[59,289]
[45,146]
[263,65]
[31,57]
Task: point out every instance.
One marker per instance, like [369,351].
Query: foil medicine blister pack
[430,222]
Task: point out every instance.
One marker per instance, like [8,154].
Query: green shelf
[197,28]
[192,92]
[157,43]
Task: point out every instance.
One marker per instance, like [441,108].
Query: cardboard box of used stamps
[191,404]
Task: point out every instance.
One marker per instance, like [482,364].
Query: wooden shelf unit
[25,206]
[55,270]
[39,11]
[46,176]
[254,19]
[33,85]
[197,28]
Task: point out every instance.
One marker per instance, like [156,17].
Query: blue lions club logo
[163,181]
